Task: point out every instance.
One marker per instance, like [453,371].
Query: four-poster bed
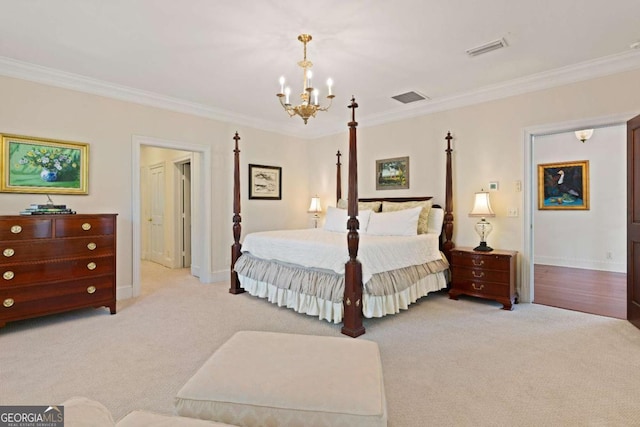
[411,267]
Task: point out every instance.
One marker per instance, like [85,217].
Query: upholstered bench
[274,379]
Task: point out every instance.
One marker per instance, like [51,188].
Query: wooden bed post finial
[352,302]
[234,286]
[448,206]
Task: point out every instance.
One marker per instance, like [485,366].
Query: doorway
[527,270]
[200,198]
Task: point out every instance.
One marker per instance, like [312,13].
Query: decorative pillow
[336,219]
[373,206]
[398,223]
[423,220]
[81,411]
[362,206]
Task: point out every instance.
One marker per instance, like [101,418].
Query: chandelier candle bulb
[287,92]
[329,84]
[282,84]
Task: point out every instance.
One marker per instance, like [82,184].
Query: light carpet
[445,362]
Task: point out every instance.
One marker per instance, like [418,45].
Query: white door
[156,195]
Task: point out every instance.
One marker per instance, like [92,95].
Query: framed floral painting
[37,165]
[563,186]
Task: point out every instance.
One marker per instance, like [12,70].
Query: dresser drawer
[471,274]
[32,301]
[21,228]
[32,273]
[466,259]
[15,251]
[74,226]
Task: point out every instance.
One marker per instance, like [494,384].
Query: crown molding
[10,67]
[600,67]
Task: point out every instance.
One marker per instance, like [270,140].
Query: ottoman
[275,379]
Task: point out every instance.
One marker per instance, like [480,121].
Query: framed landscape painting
[37,165]
[563,186]
[265,182]
[392,174]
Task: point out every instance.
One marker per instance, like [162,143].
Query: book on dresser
[52,263]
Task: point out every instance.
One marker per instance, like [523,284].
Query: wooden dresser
[490,275]
[54,263]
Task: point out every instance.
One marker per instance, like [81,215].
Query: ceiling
[222,59]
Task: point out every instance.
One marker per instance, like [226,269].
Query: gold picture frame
[38,165]
[563,186]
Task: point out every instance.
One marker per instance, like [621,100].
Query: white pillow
[436,218]
[397,223]
[336,219]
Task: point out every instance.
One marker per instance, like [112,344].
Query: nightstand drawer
[480,288]
[471,274]
[493,262]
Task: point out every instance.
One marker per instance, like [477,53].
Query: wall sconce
[482,209]
[584,134]
[315,207]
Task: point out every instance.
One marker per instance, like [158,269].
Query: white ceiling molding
[571,74]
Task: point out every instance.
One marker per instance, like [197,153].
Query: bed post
[338,179]
[352,302]
[448,206]
[234,287]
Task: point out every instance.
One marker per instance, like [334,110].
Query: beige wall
[109,125]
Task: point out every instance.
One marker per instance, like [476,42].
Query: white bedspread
[327,250]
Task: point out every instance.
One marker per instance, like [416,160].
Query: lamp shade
[584,134]
[315,206]
[482,205]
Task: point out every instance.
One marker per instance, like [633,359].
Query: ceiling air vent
[409,97]
[487,47]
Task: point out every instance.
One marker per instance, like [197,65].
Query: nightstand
[489,275]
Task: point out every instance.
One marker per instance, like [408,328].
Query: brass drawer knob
[15,229]
[477,263]
[91,290]
[91,266]
[91,246]
[8,252]
[476,287]
[477,275]
[86,226]
[8,302]
[8,275]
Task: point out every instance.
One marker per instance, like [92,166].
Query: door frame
[526,291]
[201,186]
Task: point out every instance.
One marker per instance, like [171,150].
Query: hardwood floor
[590,291]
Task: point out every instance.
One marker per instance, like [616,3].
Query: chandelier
[309,105]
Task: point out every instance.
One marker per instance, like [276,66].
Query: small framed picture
[265,182]
[392,174]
